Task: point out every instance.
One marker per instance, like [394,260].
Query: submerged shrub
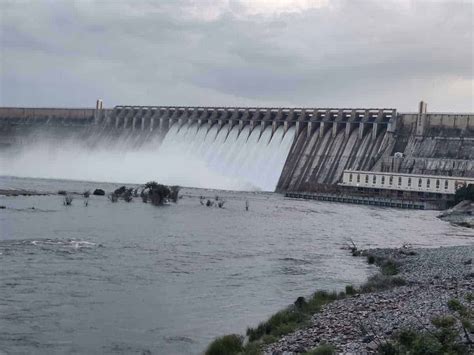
[128,195]
[113,197]
[157,193]
[120,190]
[226,345]
[174,193]
[67,200]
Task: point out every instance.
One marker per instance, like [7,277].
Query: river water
[134,278]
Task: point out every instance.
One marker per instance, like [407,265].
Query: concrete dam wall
[283,149]
[433,144]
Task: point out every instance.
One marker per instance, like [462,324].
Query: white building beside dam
[404,182]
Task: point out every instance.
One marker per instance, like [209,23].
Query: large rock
[462,214]
[99,192]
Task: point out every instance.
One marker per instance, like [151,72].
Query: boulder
[99,192]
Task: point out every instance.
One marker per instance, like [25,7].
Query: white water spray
[190,155]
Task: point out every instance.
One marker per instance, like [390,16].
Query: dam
[271,149]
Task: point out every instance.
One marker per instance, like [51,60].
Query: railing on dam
[163,117]
[150,118]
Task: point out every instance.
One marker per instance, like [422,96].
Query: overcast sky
[315,53]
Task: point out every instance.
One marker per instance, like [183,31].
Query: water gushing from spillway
[188,155]
[246,159]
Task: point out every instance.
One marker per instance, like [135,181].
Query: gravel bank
[358,324]
[462,214]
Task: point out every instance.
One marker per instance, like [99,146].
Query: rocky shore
[462,214]
[359,324]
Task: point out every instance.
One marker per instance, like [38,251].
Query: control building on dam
[327,141]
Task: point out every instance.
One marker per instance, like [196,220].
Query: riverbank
[413,287]
[462,214]
[359,324]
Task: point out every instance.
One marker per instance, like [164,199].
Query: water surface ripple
[132,278]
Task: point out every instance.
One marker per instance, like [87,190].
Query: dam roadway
[326,141]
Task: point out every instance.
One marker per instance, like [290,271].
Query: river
[134,278]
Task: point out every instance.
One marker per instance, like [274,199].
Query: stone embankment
[360,323]
[462,214]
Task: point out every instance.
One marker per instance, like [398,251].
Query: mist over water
[204,156]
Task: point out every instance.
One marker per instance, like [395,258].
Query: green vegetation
[299,314]
[465,192]
[323,349]
[226,345]
[350,290]
[387,278]
[293,317]
[381,282]
[281,323]
[158,194]
[450,336]
[389,267]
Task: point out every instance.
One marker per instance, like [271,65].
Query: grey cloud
[361,53]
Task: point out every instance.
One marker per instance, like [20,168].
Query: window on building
[366,179]
[358,177]
[428,182]
[419,182]
[383,180]
[374,179]
[409,182]
[350,177]
[446,184]
[390,180]
[399,180]
[437,184]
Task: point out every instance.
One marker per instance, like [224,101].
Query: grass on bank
[452,334]
[226,345]
[281,323]
[293,317]
[386,278]
[299,314]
